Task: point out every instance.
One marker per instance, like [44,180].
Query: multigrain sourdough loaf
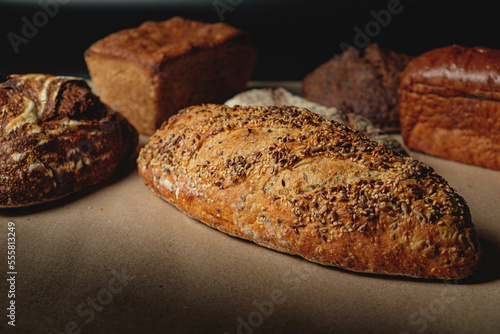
[449,104]
[56,138]
[150,72]
[295,182]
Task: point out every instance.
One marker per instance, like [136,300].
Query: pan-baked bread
[295,182]
[364,84]
[449,104]
[150,72]
[56,138]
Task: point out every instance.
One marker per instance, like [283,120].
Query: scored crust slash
[292,181]
[56,138]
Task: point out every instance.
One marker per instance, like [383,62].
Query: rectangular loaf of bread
[287,179]
[449,105]
[150,72]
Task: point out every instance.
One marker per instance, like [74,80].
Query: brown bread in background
[363,84]
[150,72]
[449,103]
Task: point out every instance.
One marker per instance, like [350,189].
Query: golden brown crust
[455,71]
[290,180]
[282,97]
[153,43]
[449,103]
[150,72]
[56,138]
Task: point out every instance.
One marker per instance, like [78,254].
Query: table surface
[118,259]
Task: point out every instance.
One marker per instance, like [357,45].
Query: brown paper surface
[118,259]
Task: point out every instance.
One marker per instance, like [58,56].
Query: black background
[293,37]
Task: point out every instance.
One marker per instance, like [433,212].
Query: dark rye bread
[295,182]
[363,84]
[56,138]
[150,72]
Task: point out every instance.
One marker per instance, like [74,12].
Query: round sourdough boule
[56,138]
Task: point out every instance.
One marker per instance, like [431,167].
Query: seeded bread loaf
[282,97]
[295,182]
[450,104]
[150,72]
[56,138]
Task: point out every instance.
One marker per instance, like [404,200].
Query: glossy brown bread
[56,138]
[449,104]
[150,72]
[295,182]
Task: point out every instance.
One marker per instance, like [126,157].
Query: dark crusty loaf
[363,84]
[295,182]
[150,72]
[56,138]
[450,104]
